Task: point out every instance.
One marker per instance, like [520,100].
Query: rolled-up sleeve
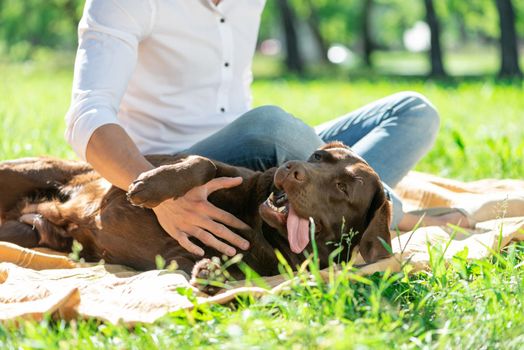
[108,33]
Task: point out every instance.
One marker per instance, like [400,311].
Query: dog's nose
[296,170]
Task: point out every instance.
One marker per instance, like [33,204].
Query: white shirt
[170,72]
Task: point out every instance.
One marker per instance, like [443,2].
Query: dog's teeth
[275,203]
[270,204]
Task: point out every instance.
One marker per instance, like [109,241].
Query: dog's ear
[333,144]
[378,218]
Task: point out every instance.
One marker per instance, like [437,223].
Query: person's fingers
[197,220]
[226,234]
[169,226]
[224,217]
[211,241]
[184,241]
[220,183]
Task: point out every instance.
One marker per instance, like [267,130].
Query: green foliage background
[29,25]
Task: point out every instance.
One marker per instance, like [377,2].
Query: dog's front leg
[170,181]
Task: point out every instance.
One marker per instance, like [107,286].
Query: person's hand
[193,215]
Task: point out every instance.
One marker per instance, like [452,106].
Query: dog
[50,202]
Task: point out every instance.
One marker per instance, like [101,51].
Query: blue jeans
[391,134]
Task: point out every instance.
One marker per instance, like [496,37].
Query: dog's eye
[317,156]
[342,186]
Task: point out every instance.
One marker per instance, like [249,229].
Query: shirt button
[226,64]
[222,109]
[222,20]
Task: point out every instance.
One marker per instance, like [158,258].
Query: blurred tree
[364,26]
[391,19]
[313,20]
[294,60]
[339,22]
[270,22]
[71,10]
[473,21]
[29,24]
[509,66]
[519,11]
[437,66]
[367,42]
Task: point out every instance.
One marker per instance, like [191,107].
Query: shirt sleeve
[108,34]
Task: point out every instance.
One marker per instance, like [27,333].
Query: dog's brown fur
[50,202]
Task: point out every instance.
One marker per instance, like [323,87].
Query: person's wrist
[144,168]
[161,205]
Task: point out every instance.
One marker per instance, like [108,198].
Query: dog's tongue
[297,231]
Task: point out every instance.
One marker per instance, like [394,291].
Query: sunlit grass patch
[467,304]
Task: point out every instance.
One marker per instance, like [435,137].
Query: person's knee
[427,116]
[272,129]
[269,120]
[419,117]
[273,123]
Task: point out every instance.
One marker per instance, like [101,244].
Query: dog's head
[342,194]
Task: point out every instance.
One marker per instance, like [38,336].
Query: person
[163,76]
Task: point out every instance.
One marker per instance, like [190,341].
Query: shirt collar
[218,8]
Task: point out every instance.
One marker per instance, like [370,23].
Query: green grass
[477,304]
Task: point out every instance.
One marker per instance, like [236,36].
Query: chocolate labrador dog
[50,202]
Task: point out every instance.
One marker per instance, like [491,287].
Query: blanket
[36,282]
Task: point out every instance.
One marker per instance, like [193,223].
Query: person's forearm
[115,156]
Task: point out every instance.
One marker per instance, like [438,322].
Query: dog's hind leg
[35,231]
[19,178]
[49,235]
[17,232]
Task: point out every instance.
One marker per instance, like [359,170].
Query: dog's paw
[208,276]
[144,193]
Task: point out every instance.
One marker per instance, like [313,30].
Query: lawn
[476,304]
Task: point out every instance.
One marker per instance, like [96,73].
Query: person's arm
[114,155]
[109,34]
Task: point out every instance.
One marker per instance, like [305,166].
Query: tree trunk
[435,53]
[314,23]
[367,42]
[509,66]
[294,61]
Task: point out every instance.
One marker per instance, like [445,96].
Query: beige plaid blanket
[38,282]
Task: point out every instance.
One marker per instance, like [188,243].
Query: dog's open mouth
[279,204]
[278,212]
